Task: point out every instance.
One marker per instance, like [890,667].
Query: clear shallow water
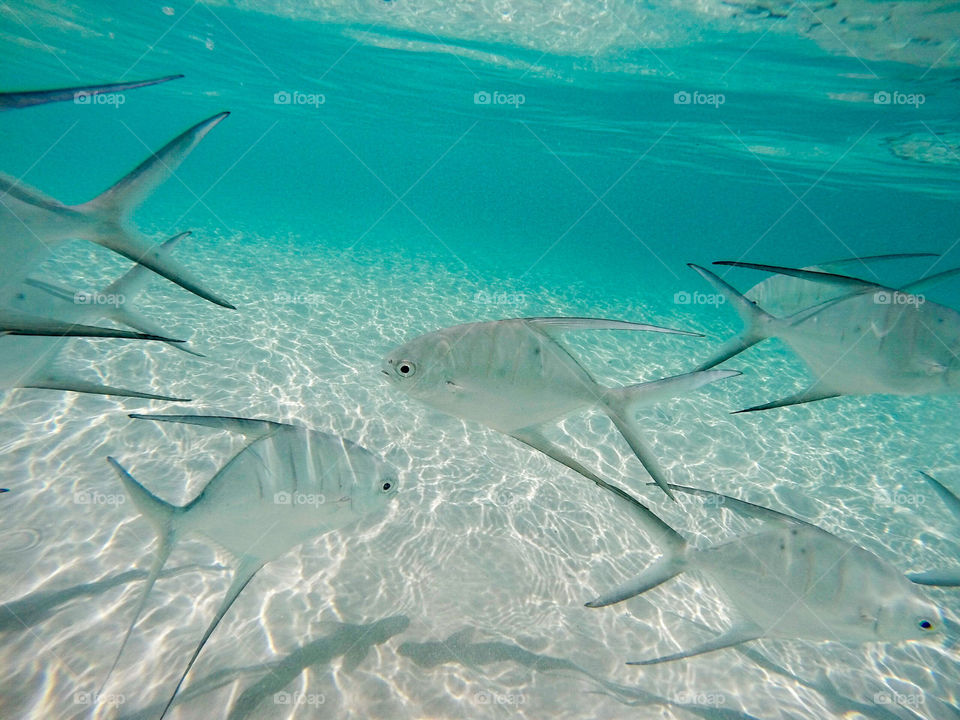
[296,220]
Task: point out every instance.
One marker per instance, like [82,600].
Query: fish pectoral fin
[947,577]
[662,570]
[69,384]
[555,326]
[664,535]
[737,635]
[250,427]
[811,394]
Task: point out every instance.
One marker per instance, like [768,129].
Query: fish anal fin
[247,568]
[664,535]
[664,569]
[811,394]
[68,384]
[250,427]
[736,635]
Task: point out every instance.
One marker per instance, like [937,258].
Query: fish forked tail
[757,322]
[672,563]
[110,210]
[162,515]
[622,404]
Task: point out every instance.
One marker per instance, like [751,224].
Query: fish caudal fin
[161,514]
[736,635]
[756,321]
[621,405]
[244,574]
[949,499]
[114,206]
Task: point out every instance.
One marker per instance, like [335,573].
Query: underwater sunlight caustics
[461,235]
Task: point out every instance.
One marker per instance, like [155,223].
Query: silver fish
[259,487]
[515,376]
[791,580]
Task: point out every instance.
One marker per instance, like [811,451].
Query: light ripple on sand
[486,534]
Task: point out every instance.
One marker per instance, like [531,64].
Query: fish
[29,98]
[948,577]
[32,224]
[259,487]
[865,339]
[29,361]
[792,581]
[116,301]
[514,376]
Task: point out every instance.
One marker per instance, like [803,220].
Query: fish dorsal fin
[737,635]
[31,196]
[15,100]
[863,260]
[749,509]
[925,283]
[250,427]
[812,275]
[555,326]
[247,568]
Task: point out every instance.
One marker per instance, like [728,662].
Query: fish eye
[405,368]
[925,625]
[387,485]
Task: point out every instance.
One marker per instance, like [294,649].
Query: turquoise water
[399,205]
